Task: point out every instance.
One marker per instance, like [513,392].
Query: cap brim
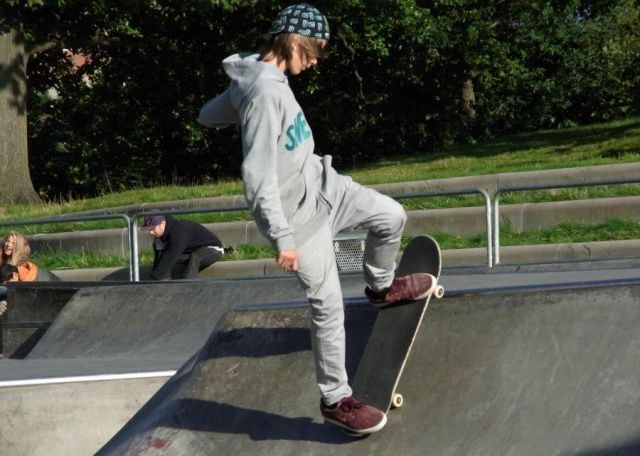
[267,36]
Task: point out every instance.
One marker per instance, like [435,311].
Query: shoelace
[350,405]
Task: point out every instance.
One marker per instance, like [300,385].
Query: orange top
[27,272]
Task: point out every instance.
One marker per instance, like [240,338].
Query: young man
[300,202]
[181,242]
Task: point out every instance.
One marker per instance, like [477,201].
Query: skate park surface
[507,363]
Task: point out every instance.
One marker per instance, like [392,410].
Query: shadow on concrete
[256,342]
[258,425]
[631,448]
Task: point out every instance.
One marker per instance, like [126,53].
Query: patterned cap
[303,19]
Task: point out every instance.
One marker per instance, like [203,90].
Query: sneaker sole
[359,432]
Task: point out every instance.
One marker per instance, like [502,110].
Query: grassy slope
[600,144]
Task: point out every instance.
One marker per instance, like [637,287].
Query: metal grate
[349,252]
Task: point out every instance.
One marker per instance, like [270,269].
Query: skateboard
[395,330]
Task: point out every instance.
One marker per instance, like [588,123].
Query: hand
[3,307]
[288,260]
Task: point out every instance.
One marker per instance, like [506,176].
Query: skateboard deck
[395,330]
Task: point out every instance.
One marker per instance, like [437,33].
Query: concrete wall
[523,217]
[69,418]
[548,253]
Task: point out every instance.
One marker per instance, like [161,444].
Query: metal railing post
[487,204]
[488,222]
[496,228]
[134,266]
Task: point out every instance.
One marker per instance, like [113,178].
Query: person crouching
[181,242]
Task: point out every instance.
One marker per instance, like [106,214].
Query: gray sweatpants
[355,207]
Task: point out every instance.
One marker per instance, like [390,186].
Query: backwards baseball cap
[303,19]
[151,221]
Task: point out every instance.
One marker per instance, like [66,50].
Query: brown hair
[21,249]
[280,46]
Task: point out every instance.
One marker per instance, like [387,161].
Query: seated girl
[16,251]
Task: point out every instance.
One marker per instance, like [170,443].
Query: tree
[16,48]
[88,141]
[397,80]
[14,162]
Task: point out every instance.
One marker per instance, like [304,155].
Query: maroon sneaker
[414,286]
[354,416]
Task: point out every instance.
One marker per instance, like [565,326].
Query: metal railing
[132,228]
[487,205]
[555,179]
[433,193]
[135,273]
[495,186]
[131,231]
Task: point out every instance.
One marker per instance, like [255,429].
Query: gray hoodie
[288,188]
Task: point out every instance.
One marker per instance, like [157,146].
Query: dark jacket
[180,237]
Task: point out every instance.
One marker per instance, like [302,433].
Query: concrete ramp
[69,416]
[171,320]
[108,352]
[501,373]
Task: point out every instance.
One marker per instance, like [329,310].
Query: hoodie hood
[243,69]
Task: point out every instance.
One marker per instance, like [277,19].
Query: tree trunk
[15,181]
[468,99]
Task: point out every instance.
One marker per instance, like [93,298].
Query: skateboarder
[300,202]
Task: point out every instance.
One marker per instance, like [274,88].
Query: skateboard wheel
[397,400]
[439,292]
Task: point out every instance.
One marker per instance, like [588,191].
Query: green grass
[80,260]
[601,144]
[613,229]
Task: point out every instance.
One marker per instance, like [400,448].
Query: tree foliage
[391,85]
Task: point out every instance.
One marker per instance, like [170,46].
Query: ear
[295,42]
